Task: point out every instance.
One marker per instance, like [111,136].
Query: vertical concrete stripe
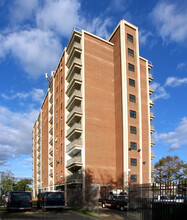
[124,104]
[139,107]
[83,107]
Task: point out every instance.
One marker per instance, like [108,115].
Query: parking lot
[67,214]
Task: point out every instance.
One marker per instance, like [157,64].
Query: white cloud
[175,81]
[15,133]
[143,36]
[37,95]
[181,66]
[159,91]
[37,51]
[178,138]
[22,10]
[59,16]
[170,21]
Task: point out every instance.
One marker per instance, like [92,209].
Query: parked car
[50,200]
[115,201]
[18,200]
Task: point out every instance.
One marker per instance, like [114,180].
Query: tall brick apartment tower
[94,124]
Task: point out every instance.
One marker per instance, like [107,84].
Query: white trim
[139,107]
[106,41]
[83,108]
[53,178]
[149,122]
[124,104]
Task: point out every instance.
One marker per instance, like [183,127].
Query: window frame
[133,144]
[132,114]
[133,162]
[131,67]
[130,38]
[133,180]
[130,52]
[130,98]
[131,80]
[131,130]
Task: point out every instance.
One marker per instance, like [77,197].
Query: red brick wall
[100,152]
[45,142]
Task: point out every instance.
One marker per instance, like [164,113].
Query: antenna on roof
[47,77]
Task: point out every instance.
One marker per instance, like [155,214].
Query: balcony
[74,100]
[74,163]
[74,178]
[150,90]
[38,156]
[51,129]
[76,46]
[152,116]
[75,68]
[38,149]
[51,119]
[51,140]
[51,172]
[38,141]
[51,99]
[150,65]
[75,83]
[152,142]
[152,168]
[152,155]
[76,54]
[152,129]
[38,164]
[76,112]
[74,41]
[150,77]
[51,161]
[51,151]
[74,147]
[51,182]
[51,109]
[151,103]
[76,128]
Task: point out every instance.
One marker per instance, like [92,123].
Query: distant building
[94,124]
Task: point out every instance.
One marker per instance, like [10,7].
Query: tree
[23,184]
[170,169]
[7,180]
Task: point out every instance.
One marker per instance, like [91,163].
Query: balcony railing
[51,172]
[152,141]
[76,94]
[75,110]
[74,178]
[152,168]
[151,103]
[152,129]
[75,61]
[51,119]
[51,182]
[76,38]
[51,161]
[51,150]
[51,140]
[150,77]
[51,130]
[76,127]
[150,90]
[74,68]
[150,65]
[152,116]
[77,160]
[75,143]
[152,154]
[51,99]
[76,80]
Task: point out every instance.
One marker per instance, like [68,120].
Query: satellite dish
[46,76]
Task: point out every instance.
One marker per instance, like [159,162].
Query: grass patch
[86,212]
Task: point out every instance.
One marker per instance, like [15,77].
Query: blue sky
[33,35]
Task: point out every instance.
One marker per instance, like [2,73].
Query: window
[61,133]
[61,79]
[57,89]
[129,37]
[132,98]
[132,114]
[61,106]
[56,150]
[132,130]
[61,119]
[133,162]
[56,101]
[133,145]
[132,82]
[133,178]
[56,114]
[56,176]
[61,92]
[131,67]
[61,147]
[131,52]
[61,160]
[56,125]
